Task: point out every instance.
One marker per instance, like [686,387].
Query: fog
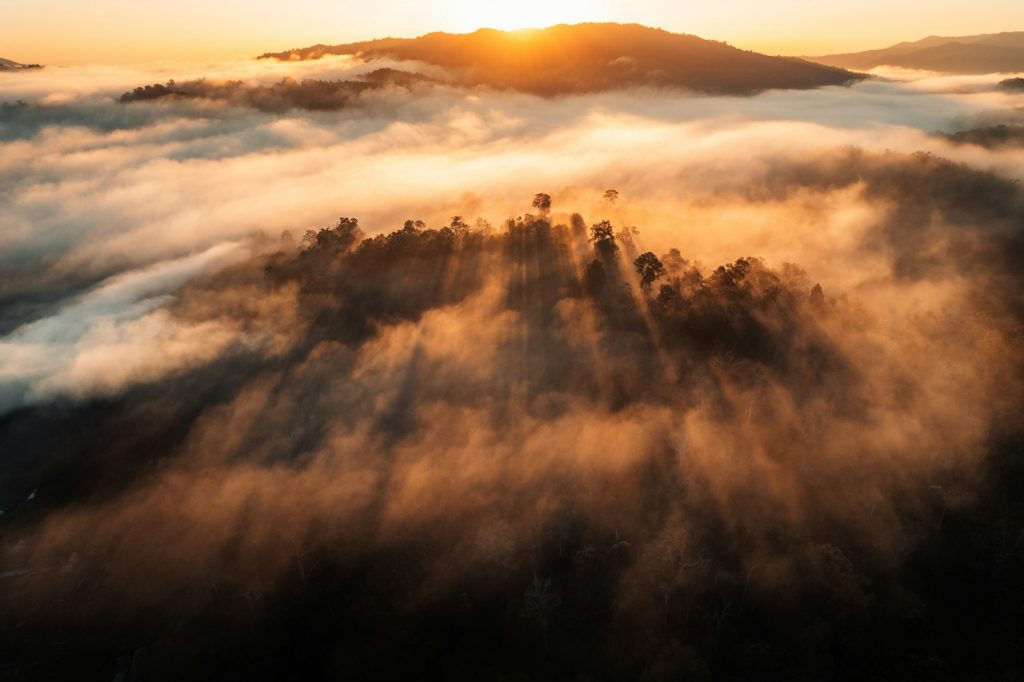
[176,176]
[211,407]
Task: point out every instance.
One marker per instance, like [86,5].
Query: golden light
[468,15]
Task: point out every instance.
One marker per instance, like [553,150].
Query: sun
[510,15]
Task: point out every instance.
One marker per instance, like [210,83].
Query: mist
[401,375]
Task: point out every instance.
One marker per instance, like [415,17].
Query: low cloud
[498,417]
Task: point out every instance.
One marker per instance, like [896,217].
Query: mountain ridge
[590,57]
[973,54]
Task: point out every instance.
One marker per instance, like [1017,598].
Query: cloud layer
[422,425]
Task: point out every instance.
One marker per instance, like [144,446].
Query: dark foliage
[308,94]
[1001,135]
[649,268]
[622,596]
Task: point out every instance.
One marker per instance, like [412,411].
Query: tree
[577,225]
[668,297]
[626,235]
[594,277]
[817,296]
[611,195]
[602,233]
[335,239]
[649,268]
[542,202]
[674,260]
[603,236]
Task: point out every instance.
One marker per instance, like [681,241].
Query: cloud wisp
[758,376]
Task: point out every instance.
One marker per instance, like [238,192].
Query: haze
[106,31]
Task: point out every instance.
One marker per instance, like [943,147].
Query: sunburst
[468,16]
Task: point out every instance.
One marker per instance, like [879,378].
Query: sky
[59,32]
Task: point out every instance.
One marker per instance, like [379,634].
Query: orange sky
[73,31]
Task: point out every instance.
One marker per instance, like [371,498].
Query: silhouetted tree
[817,296]
[335,239]
[577,225]
[668,297]
[649,268]
[611,195]
[594,277]
[731,275]
[603,236]
[674,261]
[542,202]
[602,232]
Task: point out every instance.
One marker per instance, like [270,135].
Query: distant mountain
[987,53]
[8,65]
[308,94]
[991,137]
[590,58]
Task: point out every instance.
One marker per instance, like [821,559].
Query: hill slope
[8,65]
[987,53]
[590,58]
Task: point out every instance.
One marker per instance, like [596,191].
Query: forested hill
[987,53]
[579,58]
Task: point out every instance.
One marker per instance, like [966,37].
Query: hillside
[8,65]
[590,58]
[308,94]
[988,53]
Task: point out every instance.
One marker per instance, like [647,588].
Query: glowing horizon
[61,32]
